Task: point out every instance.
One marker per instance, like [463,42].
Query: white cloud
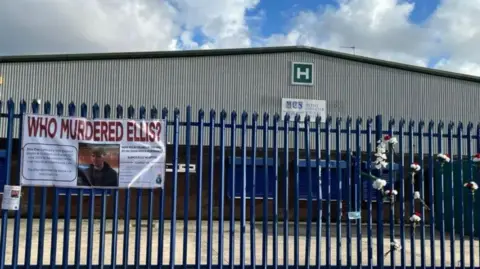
[64,26]
[377,28]
[457,27]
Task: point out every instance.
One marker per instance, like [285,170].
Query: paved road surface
[190,248]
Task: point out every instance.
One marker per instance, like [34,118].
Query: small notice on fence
[78,152]
[11,197]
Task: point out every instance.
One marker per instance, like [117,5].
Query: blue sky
[277,12]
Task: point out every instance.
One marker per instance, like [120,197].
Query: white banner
[102,153]
[304,107]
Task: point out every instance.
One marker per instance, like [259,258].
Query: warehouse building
[273,80]
[253,79]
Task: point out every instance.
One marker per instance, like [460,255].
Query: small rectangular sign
[304,107]
[302,73]
[354,215]
[11,197]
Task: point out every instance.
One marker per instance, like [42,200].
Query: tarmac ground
[412,252]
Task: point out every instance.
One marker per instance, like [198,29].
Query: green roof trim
[229,52]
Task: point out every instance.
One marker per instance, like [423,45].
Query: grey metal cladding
[245,82]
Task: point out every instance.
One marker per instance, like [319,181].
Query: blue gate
[265,192]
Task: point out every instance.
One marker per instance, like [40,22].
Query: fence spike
[460,126]
[339,121]
[431,124]
[142,112]
[266,116]
[421,124]
[223,114]
[234,114]
[451,124]
[176,112]
[411,123]
[470,126]
[47,107]
[71,109]
[35,106]
[359,120]
[119,111]
[164,112]
[153,112]
[286,117]
[318,119]
[276,117]
[306,119]
[59,108]
[441,124]
[95,111]
[213,113]
[201,114]
[10,106]
[130,112]
[369,121]
[107,109]
[349,121]
[83,110]
[254,116]
[244,115]
[401,122]
[23,106]
[391,122]
[297,117]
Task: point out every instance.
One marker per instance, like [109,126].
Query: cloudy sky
[435,33]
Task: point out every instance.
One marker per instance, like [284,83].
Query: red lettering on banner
[42,127]
[130,130]
[143,131]
[119,133]
[111,131]
[97,130]
[80,130]
[88,134]
[159,131]
[104,131]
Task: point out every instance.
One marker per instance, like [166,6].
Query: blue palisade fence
[249,190]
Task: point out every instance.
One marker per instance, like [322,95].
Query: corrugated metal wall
[245,82]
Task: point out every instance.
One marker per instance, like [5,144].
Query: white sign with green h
[302,73]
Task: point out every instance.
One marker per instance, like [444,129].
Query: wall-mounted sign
[302,73]
[181,168]
[304,107]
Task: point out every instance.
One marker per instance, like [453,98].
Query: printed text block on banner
[92,153]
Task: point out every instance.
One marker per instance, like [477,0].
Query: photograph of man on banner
[99,171]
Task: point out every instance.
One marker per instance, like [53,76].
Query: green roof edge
[229,52]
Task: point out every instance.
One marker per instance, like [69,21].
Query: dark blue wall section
[259,178]
[366,180]
[3,167]
[303,182]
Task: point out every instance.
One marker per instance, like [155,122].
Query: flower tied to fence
[417,196]
[394,246]
[472,186]
[389,196]
[414,168]
[476,158]
[415,219]
[443,158]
